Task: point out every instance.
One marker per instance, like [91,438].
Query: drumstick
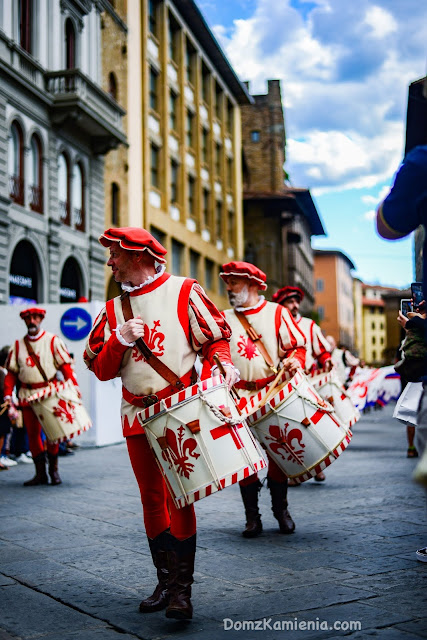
[222,372]
[272,389]
[4,407]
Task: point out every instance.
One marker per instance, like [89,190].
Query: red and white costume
[280,336]
[179,322]
[318,348]
[53,356]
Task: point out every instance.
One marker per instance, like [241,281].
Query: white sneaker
[8,462]
[422,554]
[24,458]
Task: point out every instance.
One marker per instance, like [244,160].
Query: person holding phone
[402,211]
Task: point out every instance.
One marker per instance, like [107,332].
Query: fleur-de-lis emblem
[246,348]
[179,449]
[30,362]
[65,411]
[284,439]
[153,339]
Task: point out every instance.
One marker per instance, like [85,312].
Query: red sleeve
[106,365]
[9,383]
[221,347]
[68,373]
[323,358]
[299,353]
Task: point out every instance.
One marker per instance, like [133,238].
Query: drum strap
[256,339]
[154,362]
[35,359]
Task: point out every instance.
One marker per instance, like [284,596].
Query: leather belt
[36,385]
[147,400]
[254,385]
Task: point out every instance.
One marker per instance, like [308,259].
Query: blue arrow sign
[76,323]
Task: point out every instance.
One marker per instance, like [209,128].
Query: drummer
[318,348]
[34,361]
[277,342]
[177,321]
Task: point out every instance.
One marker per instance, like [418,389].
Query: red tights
[274,472]
[158,507]
[34,431]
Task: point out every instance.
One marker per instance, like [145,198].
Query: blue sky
[345,68]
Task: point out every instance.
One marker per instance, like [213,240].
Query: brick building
[279,220]
[184,178]
[114,39]
[334,295]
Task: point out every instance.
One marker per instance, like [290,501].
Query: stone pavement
[74,561]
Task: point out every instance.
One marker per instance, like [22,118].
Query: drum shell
[330,388]
[299,430]
[195,465]
[61,413]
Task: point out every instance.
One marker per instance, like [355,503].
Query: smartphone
[405,306]
[417,293]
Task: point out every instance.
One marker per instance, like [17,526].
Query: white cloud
[345,71]
[380,21]
[370,215]
[366,199]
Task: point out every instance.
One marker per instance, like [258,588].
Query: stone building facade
[279,220]
[184,132]
[56,124]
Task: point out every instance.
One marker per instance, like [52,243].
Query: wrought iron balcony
[16,189]
[79,103]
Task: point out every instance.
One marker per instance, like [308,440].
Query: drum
[299,429]
[201,442]
[330,388]
[60,411]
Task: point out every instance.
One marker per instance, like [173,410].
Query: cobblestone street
[75,563]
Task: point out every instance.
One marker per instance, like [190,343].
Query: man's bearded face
[237,291]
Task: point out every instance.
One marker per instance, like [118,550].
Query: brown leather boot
[41,475]
[181,567]
[53,468]
[159,547]
[253,517]
[279,505]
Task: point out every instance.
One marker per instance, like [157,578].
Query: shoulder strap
[154,362]
[34,358]
[255,338]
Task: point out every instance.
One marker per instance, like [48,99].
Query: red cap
[287,292]
[134,239]
[244,270]
[33,311]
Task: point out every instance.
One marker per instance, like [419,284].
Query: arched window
[112,85]
[78,198]
[70,45]
[16,164]
[36,175]
[71,281]
[115,204]
[25,281]
[64,189]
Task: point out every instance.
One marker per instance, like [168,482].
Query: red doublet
[318,347]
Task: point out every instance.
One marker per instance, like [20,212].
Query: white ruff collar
[37,336]
[258,304]
[160,269]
